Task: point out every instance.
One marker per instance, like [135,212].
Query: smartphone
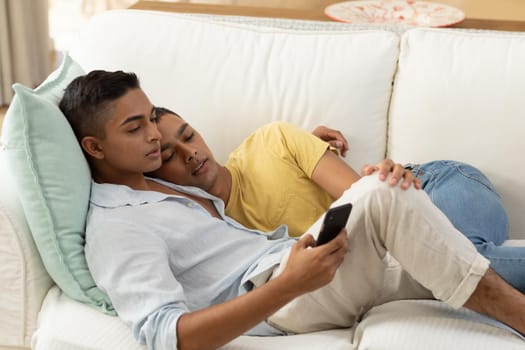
[334,221]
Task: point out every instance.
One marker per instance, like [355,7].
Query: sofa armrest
[24,281]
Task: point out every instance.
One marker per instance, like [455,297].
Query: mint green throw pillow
[53,181]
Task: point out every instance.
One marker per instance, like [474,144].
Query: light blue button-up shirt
[159,256]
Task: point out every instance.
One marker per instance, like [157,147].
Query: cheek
[121,144]
[117,150]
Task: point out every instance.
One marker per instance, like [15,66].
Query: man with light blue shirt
[183,275]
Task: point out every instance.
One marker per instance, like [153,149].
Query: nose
[153,133]
[189,153]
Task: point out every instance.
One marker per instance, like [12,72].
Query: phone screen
[334,221]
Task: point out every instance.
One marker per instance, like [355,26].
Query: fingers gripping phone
[334,221]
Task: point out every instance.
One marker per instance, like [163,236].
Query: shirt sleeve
[299,146]
[132,266]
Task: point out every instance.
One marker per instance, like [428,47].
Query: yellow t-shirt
[271,179]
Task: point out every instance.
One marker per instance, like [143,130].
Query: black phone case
[334,221]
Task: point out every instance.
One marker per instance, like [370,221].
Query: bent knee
[371,184]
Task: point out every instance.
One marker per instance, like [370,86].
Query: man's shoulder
[107,195]
[281,128]
[279,134]
[118,209]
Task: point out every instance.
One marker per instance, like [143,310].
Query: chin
[207,184]
[151,170]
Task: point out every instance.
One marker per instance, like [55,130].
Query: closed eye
[189,137]
[134,130]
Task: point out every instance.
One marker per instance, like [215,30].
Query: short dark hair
[160,111]
[87,99]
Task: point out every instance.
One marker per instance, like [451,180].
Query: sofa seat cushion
[65,324]
[432,325]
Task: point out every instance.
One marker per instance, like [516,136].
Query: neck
[222,187]
[134,181]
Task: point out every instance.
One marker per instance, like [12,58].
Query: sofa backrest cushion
[459,95]
[52,179]
[228,79]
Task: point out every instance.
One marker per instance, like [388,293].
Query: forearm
[216,325]
[306,270]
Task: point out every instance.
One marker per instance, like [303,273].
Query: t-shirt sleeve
[133,268]
[300,146]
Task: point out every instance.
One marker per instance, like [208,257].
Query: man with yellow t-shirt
[280,174]
[285,166]
[284,175]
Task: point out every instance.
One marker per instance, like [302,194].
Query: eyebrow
[136,117]
[181,129]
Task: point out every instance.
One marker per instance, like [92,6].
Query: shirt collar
[113,195]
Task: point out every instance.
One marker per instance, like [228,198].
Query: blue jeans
[471,203]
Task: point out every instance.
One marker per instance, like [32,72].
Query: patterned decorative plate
[411,13]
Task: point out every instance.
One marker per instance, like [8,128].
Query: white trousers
[400,247]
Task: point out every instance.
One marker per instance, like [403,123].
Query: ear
[91,146]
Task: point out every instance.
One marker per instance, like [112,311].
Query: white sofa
[413,96]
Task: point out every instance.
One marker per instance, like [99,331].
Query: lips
[200,167]
[154,153]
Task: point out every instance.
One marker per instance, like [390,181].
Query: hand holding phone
[334,221]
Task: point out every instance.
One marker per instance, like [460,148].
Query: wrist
[285,288]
